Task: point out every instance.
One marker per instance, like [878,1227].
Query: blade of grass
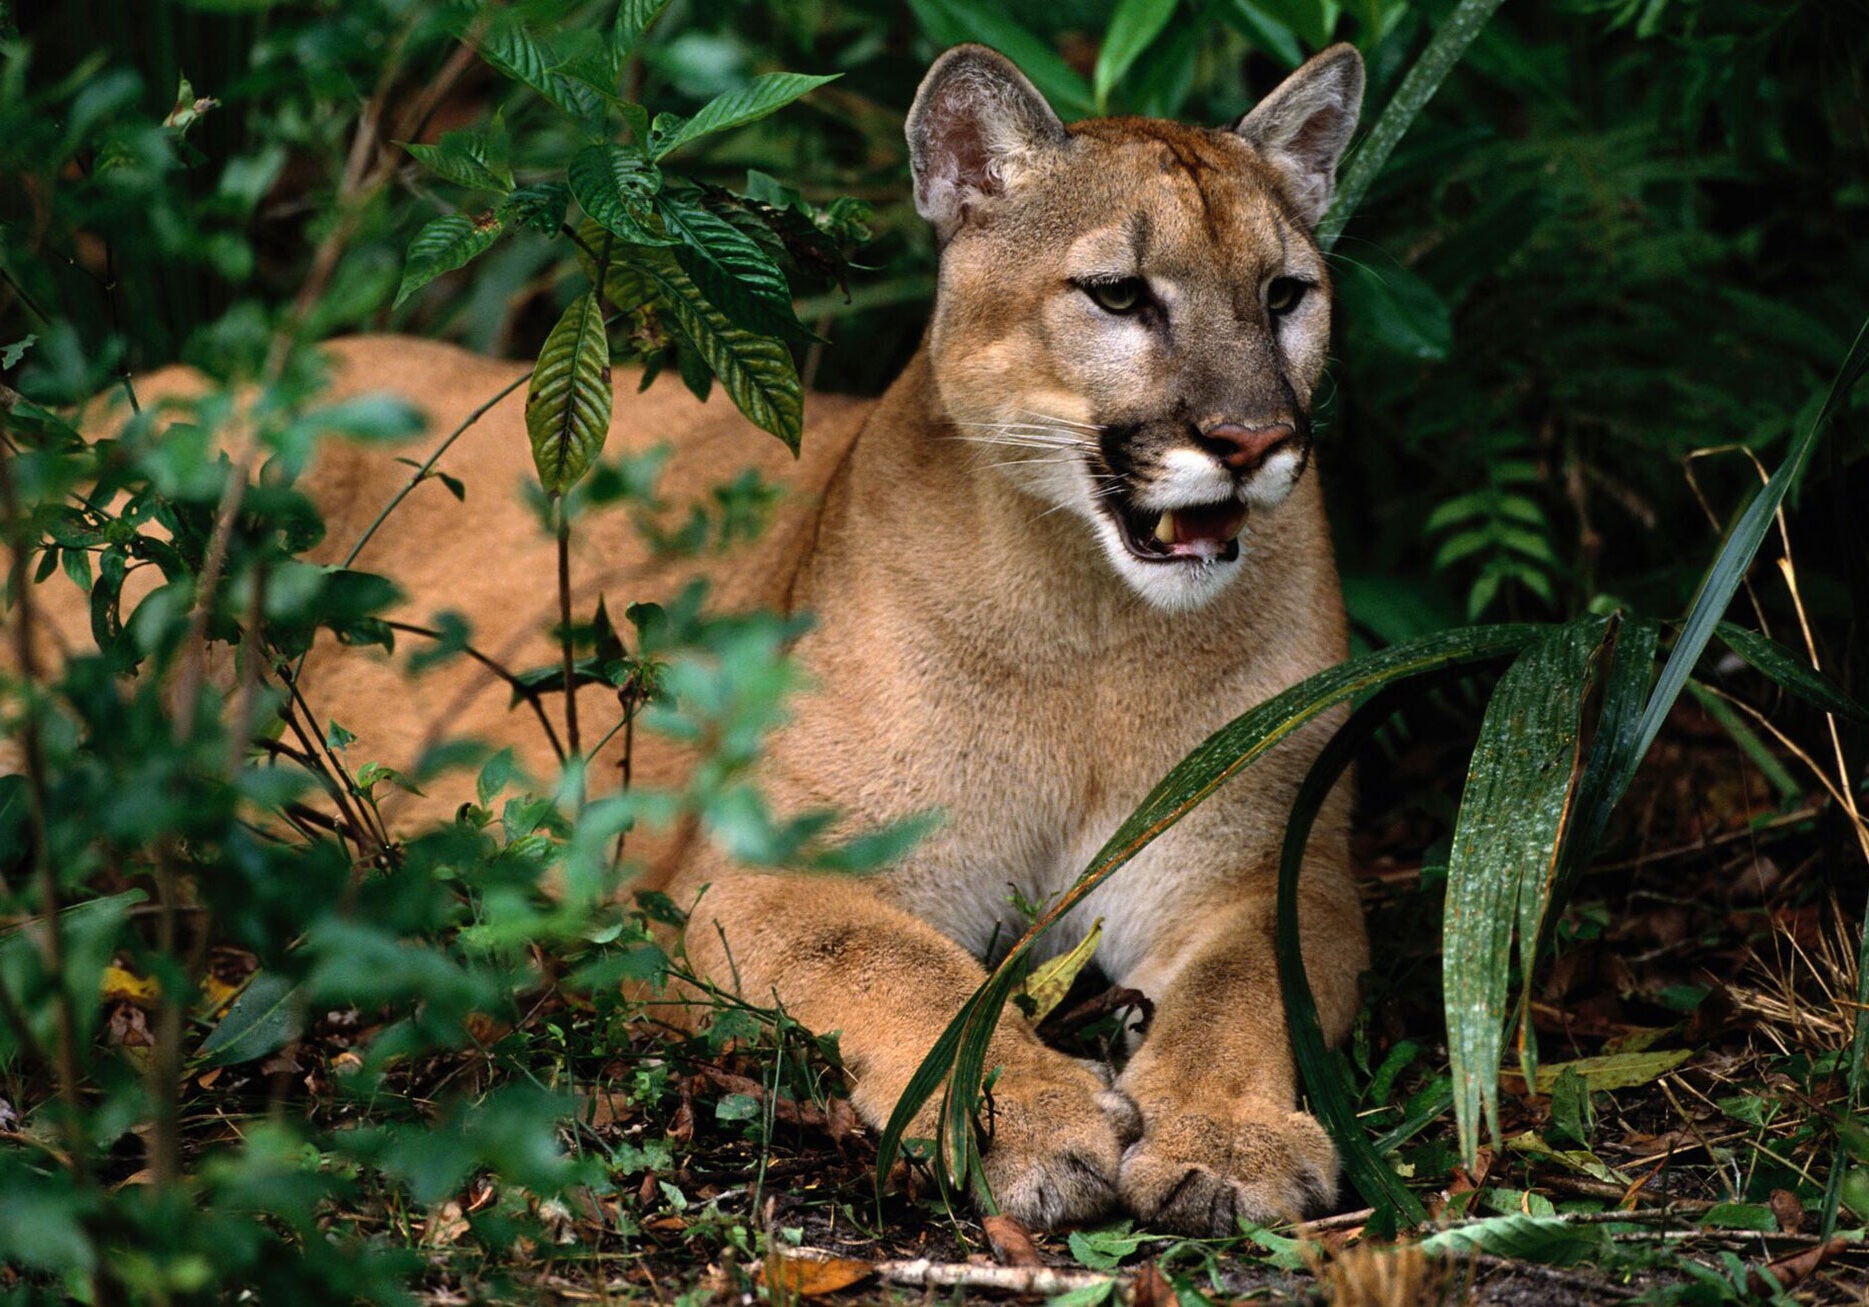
[1417,88]
[1216,760]
[1330,1097]
[1789,672]
[1514,814]
[1730,565]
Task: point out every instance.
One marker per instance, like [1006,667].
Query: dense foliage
[1617,238]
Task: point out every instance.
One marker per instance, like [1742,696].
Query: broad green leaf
[633,19]
[1790,672]
[625,285]
[1132,27]
[731,269]
[451,241]
[1397,310]
[465,159]
[1730,565]
[950,22]
[763,95]
[1626,677]
[1615,1070]
[1548,1240]
[1324,1083]
[1266,33]
[1052,979]
[527,58]
[568,404]
[958,1056]
[757,372]
[1424,78]
[1513,818]
[268,1014]
[615,186]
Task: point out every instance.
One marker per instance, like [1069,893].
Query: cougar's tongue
[1202,531]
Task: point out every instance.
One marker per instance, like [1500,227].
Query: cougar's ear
[976,120]
[1302,128]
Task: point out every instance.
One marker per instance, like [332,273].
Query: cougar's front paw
[1057,1143]
[1198,1175]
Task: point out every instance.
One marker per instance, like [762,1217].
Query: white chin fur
[1175,587]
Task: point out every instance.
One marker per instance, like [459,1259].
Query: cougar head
[1132,313]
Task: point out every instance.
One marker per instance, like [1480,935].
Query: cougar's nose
[1245,449]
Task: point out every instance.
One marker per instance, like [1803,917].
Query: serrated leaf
[267,1015]
[757,372]
[1789,672]
[1052,979]
[1514,814]
[1132,27]
[632,20]
[615,186]
[763,95]
[568,403]
[451,241]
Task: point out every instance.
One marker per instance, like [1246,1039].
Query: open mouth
[1193,533]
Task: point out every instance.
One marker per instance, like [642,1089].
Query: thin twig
[519,687]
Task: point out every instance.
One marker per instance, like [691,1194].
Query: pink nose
[1245,449]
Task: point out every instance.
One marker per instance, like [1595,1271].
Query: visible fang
[1165,528]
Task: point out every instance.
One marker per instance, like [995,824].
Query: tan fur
[976,651]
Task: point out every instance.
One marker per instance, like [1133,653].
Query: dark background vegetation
[1624,233]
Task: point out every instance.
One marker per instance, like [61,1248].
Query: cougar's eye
[1124,295]
[1283,294]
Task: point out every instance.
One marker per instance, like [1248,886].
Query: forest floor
[1687,1118]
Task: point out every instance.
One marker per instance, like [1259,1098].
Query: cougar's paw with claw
[1056,1145]
[1198,1175]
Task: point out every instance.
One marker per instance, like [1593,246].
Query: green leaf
[1513,818]
[465,159]
[950,22]
[958,1056]
[1424,78]
[1323,1080]
[633,19]
[763,95]
[731,269]
[757,372]
[615,185]
[1740,1216]
[1790,672]
[1734,560]
[1264,31]
[1614,1070]
[568,403]
[1397,310]
[1132,27]
[527,58]
[1547,1240]
[451,241]
[268,1014]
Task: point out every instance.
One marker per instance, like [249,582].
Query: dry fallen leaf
[1788,1210]
[1151,1288]
[807,1273]
[120,986]
[1012,1242]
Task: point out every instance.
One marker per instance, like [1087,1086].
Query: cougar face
[1132,314]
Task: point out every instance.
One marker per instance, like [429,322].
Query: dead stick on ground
[925,1274]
